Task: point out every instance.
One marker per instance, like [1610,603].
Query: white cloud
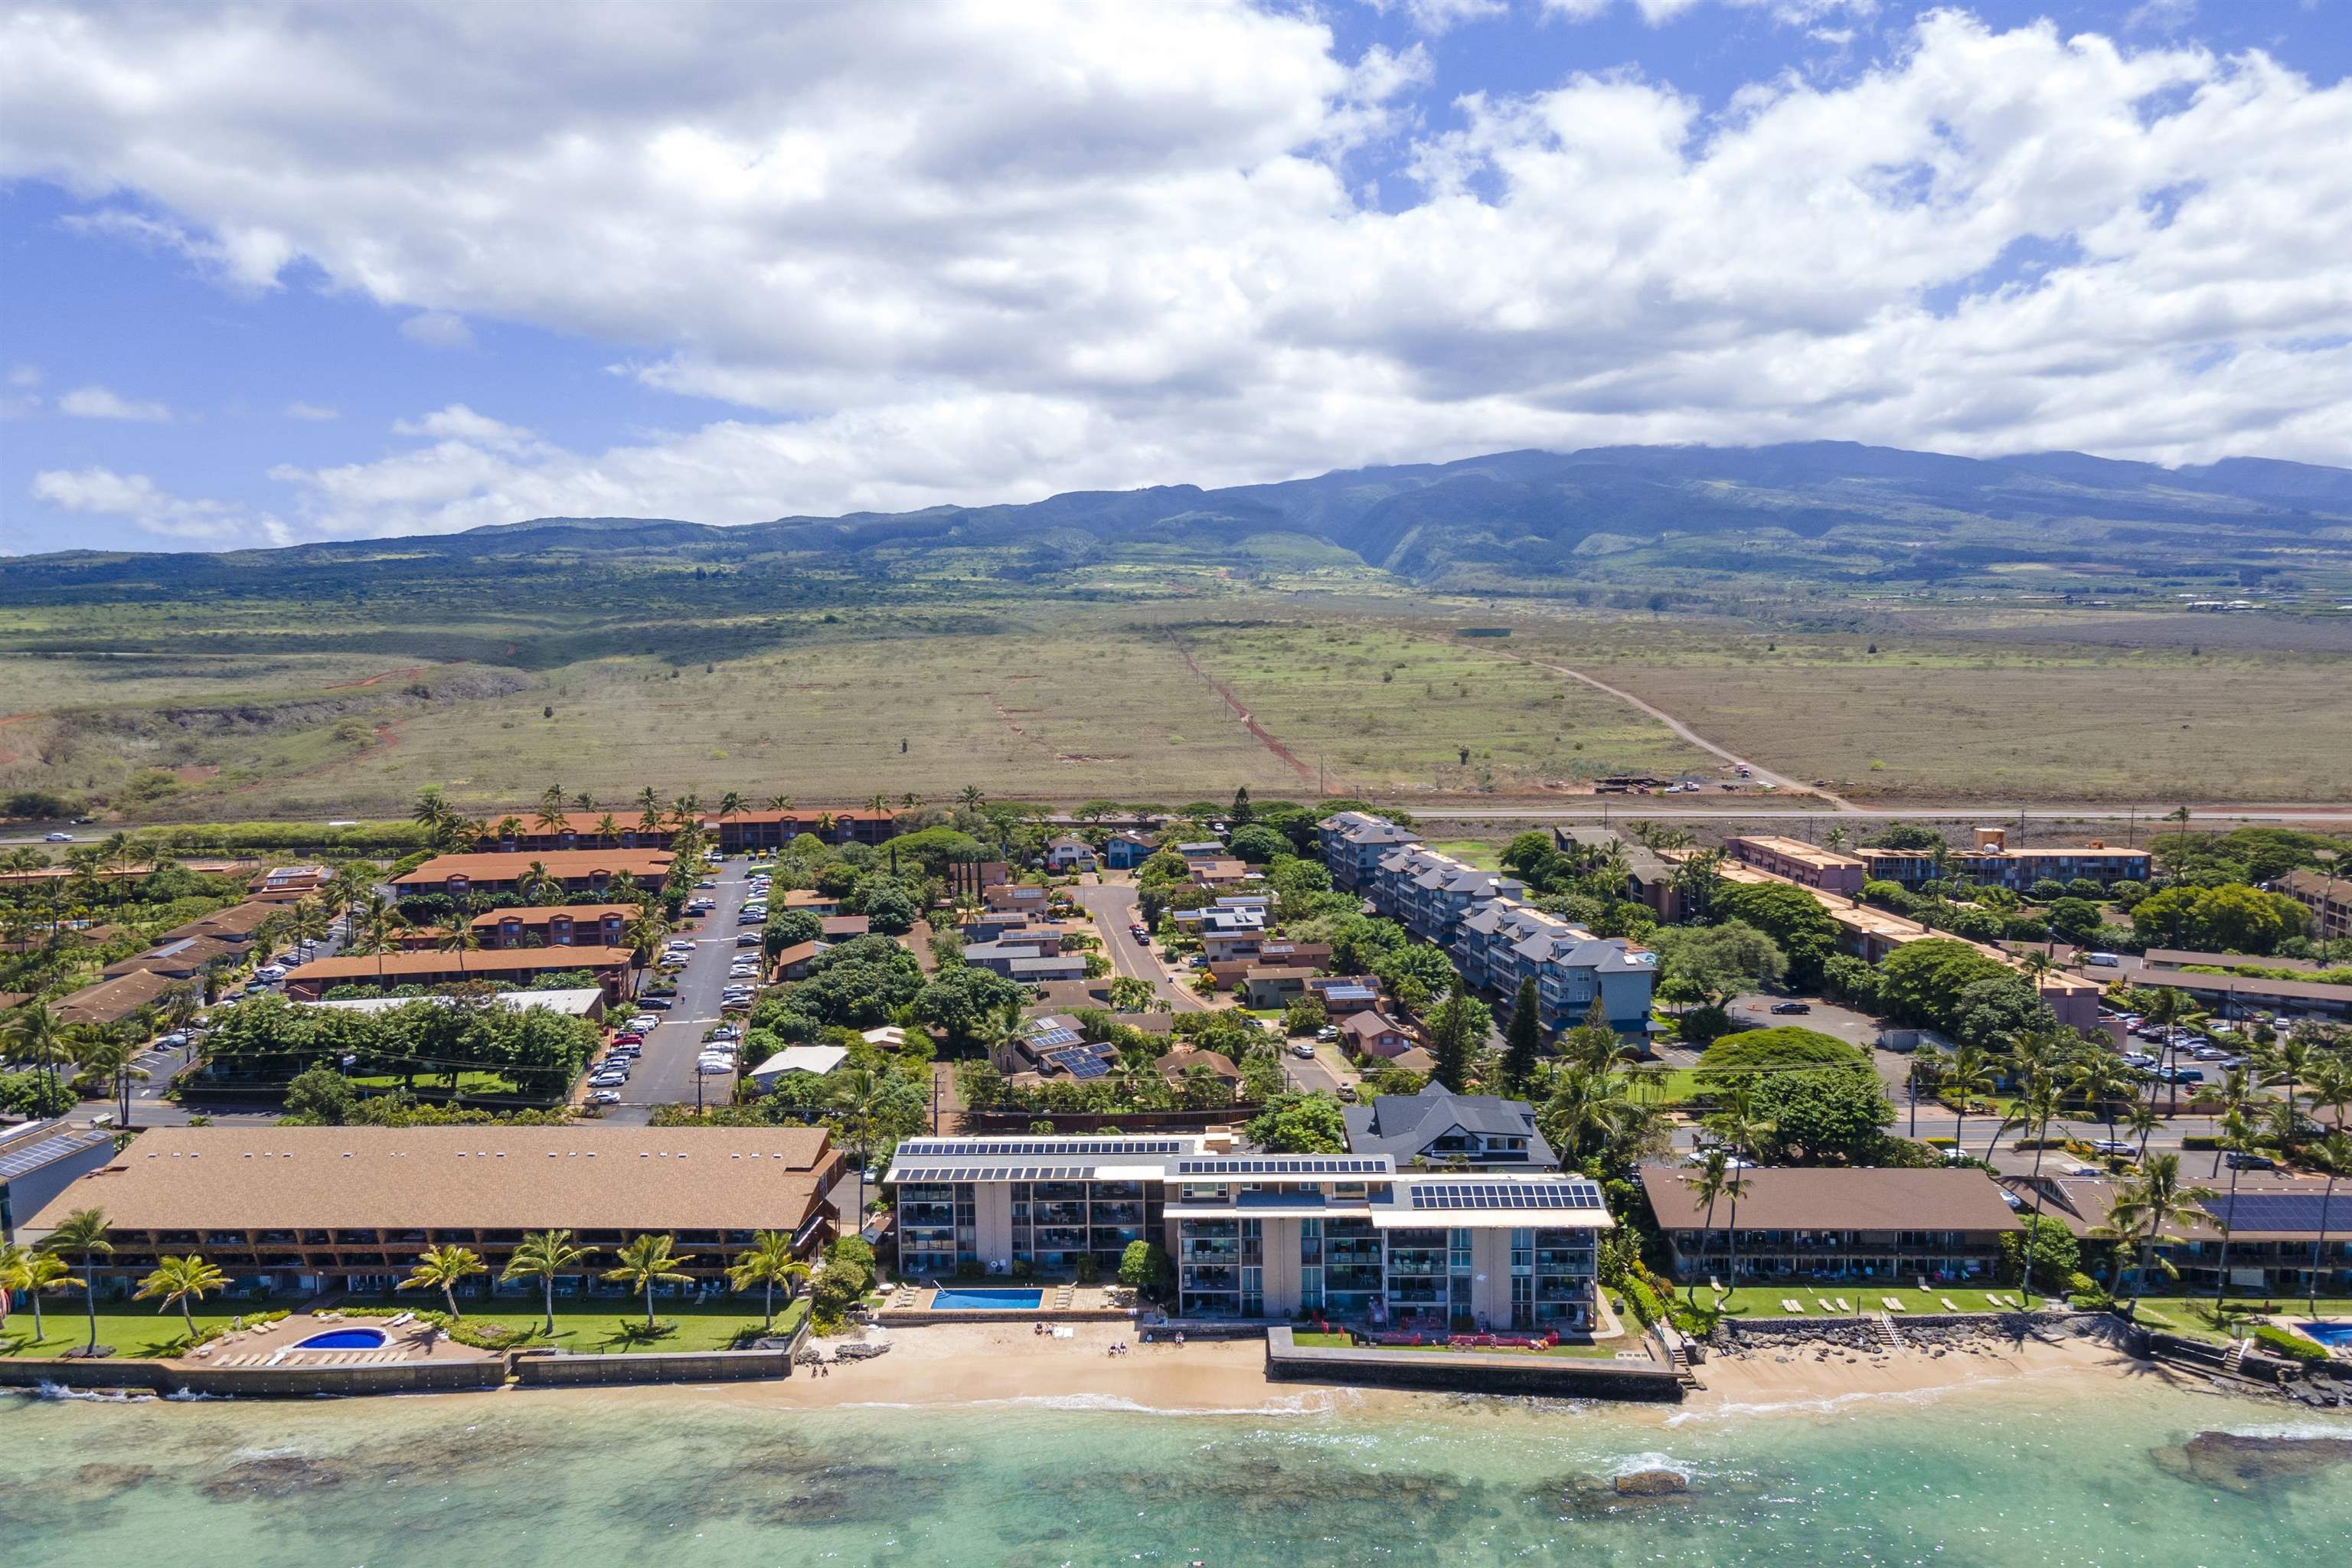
[313,411]
[1435,16]
[97,402]
[24,375]
[104,492]
[982,252]
[437,330]
[459,422]
[1790,12]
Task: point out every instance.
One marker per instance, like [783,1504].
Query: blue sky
[291,272]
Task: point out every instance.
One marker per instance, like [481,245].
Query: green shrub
[2278,1341]
[1940,1143]
[2205,1141]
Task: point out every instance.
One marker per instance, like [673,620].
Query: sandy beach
[975,1363]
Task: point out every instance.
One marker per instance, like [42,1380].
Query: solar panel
[1049,1039]
[1061,1147]
[33,1156]
[2281,1211]
[1505,1195]
[1309,1164]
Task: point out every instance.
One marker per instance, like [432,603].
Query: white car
[605,1097]
[1303,1051]
[725,1032]
[270,973]
[643,1022]
[58,838]
[709,1067]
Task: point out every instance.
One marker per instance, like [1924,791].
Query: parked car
[656,1004]
[2112,1146]
[1792,1006]
[2241,1161]
[270,973]
[605,1097]
[628,1037]
[1327,1032]
[707,1067]
[2101,960]
[725,1032]
[172,1041]
[607,1079]
[1303,1051]
[749,939]
[58,838]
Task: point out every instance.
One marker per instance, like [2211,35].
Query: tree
[33,1273]
[319,1097]
[1143,1268]
[1415,966]
[2332,1157]
[1593,1121]
[1793,918]
[1719,960]
[1450,1040]
[38,1036]
[767,1263]
[542,1255]
[646,1261]
[1257,844]
[440,1268]
[1131,993]
[1306,1015]
[179,1281]
[1825,1115]
[1523,1041]
[1717,1178]
[2147,1210]
[82,1235]
[2052,1250]
[1299,1124]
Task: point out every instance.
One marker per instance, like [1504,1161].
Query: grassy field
[1106,682]
[1764,1300]
[609,1327]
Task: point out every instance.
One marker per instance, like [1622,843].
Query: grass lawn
[136,1331]
[467,1083]
[1665,1085]
[1471,852]
[2188,1315]
[1764,1300]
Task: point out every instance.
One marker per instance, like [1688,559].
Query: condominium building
[1807,865]
[1991,862]
[1497,939]
[1894,1225]
[566,870]
[351,1209]
[1259,1236]
[1353,842]
[2329,898]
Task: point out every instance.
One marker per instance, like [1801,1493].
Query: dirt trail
[409,674]
[1761,773]
[1265,737]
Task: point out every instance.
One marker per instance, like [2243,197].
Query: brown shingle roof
[236,920]
[496,1178]
[112,1000]
[487,960]
[1795,1198]
[642,864]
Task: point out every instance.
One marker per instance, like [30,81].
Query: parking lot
[666,1072]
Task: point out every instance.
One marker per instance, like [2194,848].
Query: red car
[628,1037]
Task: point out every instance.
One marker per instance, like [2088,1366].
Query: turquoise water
[949,1299]
[346,1340]
[586,1480]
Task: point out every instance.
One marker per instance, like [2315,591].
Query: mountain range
[1827,512]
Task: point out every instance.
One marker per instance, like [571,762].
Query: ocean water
[583,1480]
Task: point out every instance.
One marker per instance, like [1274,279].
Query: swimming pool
[346,1340]
[2335,1336]
[955,1299]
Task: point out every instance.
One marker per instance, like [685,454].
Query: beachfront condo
[1345,1237]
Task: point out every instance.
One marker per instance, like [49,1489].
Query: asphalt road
[666,1074]
[1114,906]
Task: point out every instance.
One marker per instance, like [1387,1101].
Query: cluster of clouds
[970,252]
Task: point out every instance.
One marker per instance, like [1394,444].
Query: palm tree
[460,937]
[2332,1155]
[111,1058]
[35,1034]
[730,804]
[768,1262]
[646,1261]
[649,812]
[780,802]
[2285,1066]
[2330,1082]
[550,809]
[2147,1210]
[1743,1130]
[542,1255]
[82,1234]
[2237,1094]
[1715,1177]
[440,1268]
[2142,1121]
[972,797]
[1834,841]
[33,1273]
[2102,1080]
[584,800]
[1969,1073]
[432,813]
[181,1280]
[608,831]
[2237,1128]
[686,810]
[2041,1103]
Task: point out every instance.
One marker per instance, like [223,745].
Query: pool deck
[2295,1324]
[913,1306]
[274,1344]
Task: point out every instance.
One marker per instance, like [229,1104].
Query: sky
[280,272]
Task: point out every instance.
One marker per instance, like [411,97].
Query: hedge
[2278,1341]
[2204,1140]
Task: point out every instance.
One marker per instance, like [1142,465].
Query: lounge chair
[1824,1303]
[1790,1304]
[1841,1305]
[1895,1304]
[1950,1305]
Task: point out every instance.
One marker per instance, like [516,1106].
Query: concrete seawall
[259,1383]
[659,1366]
[1469,1371]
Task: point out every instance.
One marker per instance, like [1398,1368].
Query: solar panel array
[1505,1195]
[2281,1211]
[1082,1062]
[30,1157]
[1308,1164]
[1054,1039]
[935,1147]
[902,1176]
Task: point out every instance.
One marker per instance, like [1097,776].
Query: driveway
[1115,906]
[666,1073]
